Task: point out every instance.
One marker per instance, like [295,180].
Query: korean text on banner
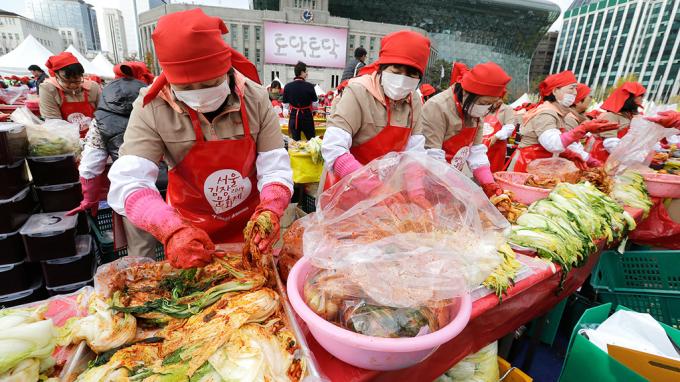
[315,46]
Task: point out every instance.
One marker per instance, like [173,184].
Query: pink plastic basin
[514,181]
[372,353]
[663,185]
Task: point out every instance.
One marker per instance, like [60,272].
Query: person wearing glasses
[66,94]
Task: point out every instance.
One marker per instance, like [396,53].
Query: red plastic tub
[71,270]
[11,248]
[60,197]
[13,143]
[50,236]
[15,211]
[52,170]
[14,178]
[514,181]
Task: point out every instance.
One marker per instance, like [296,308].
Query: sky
[17,6]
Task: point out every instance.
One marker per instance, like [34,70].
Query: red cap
[402,48]
[486,79]
[457,71]
[25,79]
[190,48]
[138,69]
[59,61]
[555,81]
[582,92]
[427,89]
[616,100]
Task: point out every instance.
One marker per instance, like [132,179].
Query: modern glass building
[472,31]
[67,14]
[604,40]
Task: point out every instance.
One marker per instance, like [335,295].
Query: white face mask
[204,100]
[568,100]
[478,111]
[398,86]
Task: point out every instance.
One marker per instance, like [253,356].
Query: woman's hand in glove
[670,119]
[189,247]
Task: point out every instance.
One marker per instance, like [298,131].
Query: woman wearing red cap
[620,108]
[377,111]
[66,94]
[577,111]
[452,121]
[544,130]
[427,91]
[212,122]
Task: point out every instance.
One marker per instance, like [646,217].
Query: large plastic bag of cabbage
[478,367]
[636,148]
[407,231]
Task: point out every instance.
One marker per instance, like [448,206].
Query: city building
[75,37]
[471,31]
[114,30]
[67,14]
[543,57]
[330,40]
[15,28]
[606,40]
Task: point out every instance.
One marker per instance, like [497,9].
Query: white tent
[29,52]
[87,65]
[520,101]
[104,66]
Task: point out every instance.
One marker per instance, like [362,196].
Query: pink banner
[315,46]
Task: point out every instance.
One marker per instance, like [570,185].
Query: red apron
[457,148]
[499,149]
[215,185]
[596,148]
[390,138]
[80,112]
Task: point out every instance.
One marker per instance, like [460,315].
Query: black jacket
[39,81]
[113,112]
[299,93]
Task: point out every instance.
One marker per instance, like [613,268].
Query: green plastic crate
[645,281]
[102,227]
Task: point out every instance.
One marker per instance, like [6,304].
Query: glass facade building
[471,31]
[67,14]
[605,40]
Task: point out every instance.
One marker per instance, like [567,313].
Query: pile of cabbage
[27,341]
[564,227]
[630,190]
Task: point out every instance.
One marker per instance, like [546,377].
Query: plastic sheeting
[490,321]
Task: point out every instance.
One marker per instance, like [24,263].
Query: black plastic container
[71,270]
[49,236]
[11,248]
[70,288]
[60,197]
[83,226]
[13,143]
[14,178]
[15,211]
[14,278]
[53,170]
[33,293]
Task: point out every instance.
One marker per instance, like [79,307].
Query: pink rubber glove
[415,187]
[593,162]
[275,198]
[670,119]
[345,164]
[185,245]
[595,126]
[94,190]
[485,178]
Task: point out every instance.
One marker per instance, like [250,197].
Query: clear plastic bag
[10,95]
[636,148]
[478,367]
[54,137]
[407,230]
[561,169]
